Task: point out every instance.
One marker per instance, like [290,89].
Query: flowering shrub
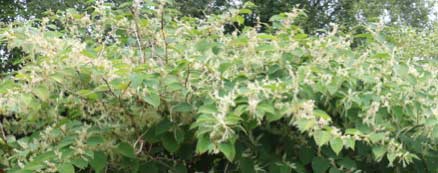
[138,89]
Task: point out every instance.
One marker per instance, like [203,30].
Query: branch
[3,135]
[109,87]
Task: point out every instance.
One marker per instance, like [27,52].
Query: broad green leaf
[321,114]
[66,168]
[202,45]
[42,93]
[349,143]
[306,155]
[89,53]
[298,52]
[228,149]
[95,140]
[279,167]
[347,163]
[216,50]
[266,107]
[266,36]
[202,144]
[80,162]
[169,142]
[239,19]
[376,137]
[353,132]
[208,109]
[149,167]
[245,11]
[182,107]
[179,135]
[88,94]
[126,150]
[378,152]
[247,165]
[435,132]
[163,127]
[98,163]
[181,168]
[320,165]
[391,157]
[153,99]
[336,144]
[304,124]
[334,170]
[321,137]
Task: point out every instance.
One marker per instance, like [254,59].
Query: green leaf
[153,99]
[98,163]
[239,19]
[304,124]
[66,168]
[163,127]
[182,107]
[298,52]
[336,144]
[179,135]
[95,140]
[347,163]
[149,168]
[202,45]
[228,150]
[322,114]
[80,162]
[247,165]
[334,170]
[202,144]
[208,109]
[391,157]
[88,94]
[180,168]
[320,165]
[306,155]
[353,132]
[216,50]
[378,152]
[321,137]
[376,137]
[169,142]
[38,161]
[279,167]
[266,107]
[126,150]
[42,93]
[245,11]
[89,53]
[349,143]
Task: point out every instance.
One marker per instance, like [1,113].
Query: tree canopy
[320,13]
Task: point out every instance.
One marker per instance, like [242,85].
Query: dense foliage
[140,89]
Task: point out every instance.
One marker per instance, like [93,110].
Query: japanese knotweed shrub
[137,88]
